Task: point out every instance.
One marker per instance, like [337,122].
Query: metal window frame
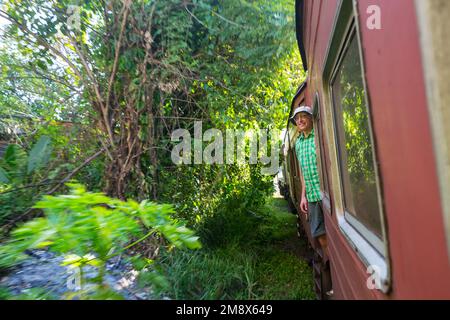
[320,133]
[354,221]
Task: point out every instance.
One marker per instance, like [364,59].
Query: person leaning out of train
[311,197]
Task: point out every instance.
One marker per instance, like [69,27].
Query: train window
[358,175]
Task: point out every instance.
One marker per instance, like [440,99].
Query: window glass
[354,142]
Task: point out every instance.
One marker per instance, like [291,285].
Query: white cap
[301,109]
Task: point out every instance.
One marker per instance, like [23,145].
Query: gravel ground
[43,270]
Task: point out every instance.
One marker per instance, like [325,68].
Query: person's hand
[304,205]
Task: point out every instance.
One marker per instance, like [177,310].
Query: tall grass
[244,257]
[226,273]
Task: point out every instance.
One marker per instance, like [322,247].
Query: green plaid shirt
[305,148]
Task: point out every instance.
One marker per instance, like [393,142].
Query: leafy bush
[19,171]
[90,228]
[16,165]
[201,193]
[233,223]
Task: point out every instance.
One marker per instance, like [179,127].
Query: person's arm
[303,201]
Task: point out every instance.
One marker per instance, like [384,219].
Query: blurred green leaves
[39,154]
[19,171]
[90,228]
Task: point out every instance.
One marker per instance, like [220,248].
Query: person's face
[304,122]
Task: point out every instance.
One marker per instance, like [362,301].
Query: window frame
[364,242]
[358,225]
[318,127]
[295,169]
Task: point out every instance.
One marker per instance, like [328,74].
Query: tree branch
[7,226]
[126,7]
[70,175]
[42,42]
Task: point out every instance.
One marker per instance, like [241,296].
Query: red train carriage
[379,84]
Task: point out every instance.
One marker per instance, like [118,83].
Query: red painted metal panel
[401,124]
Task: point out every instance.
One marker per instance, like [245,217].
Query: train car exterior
[378,79]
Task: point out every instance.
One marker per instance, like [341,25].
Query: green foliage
[268,223]
[276,223]
[283,276]
[252,257]
[226,273]
[234,59]
[215,191]
[28,294]
[231,64]
[89,228]
[3,176]
[14,164]
[248,67]
[19,171]
[39,154]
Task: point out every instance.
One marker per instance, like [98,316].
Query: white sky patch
[3,24]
